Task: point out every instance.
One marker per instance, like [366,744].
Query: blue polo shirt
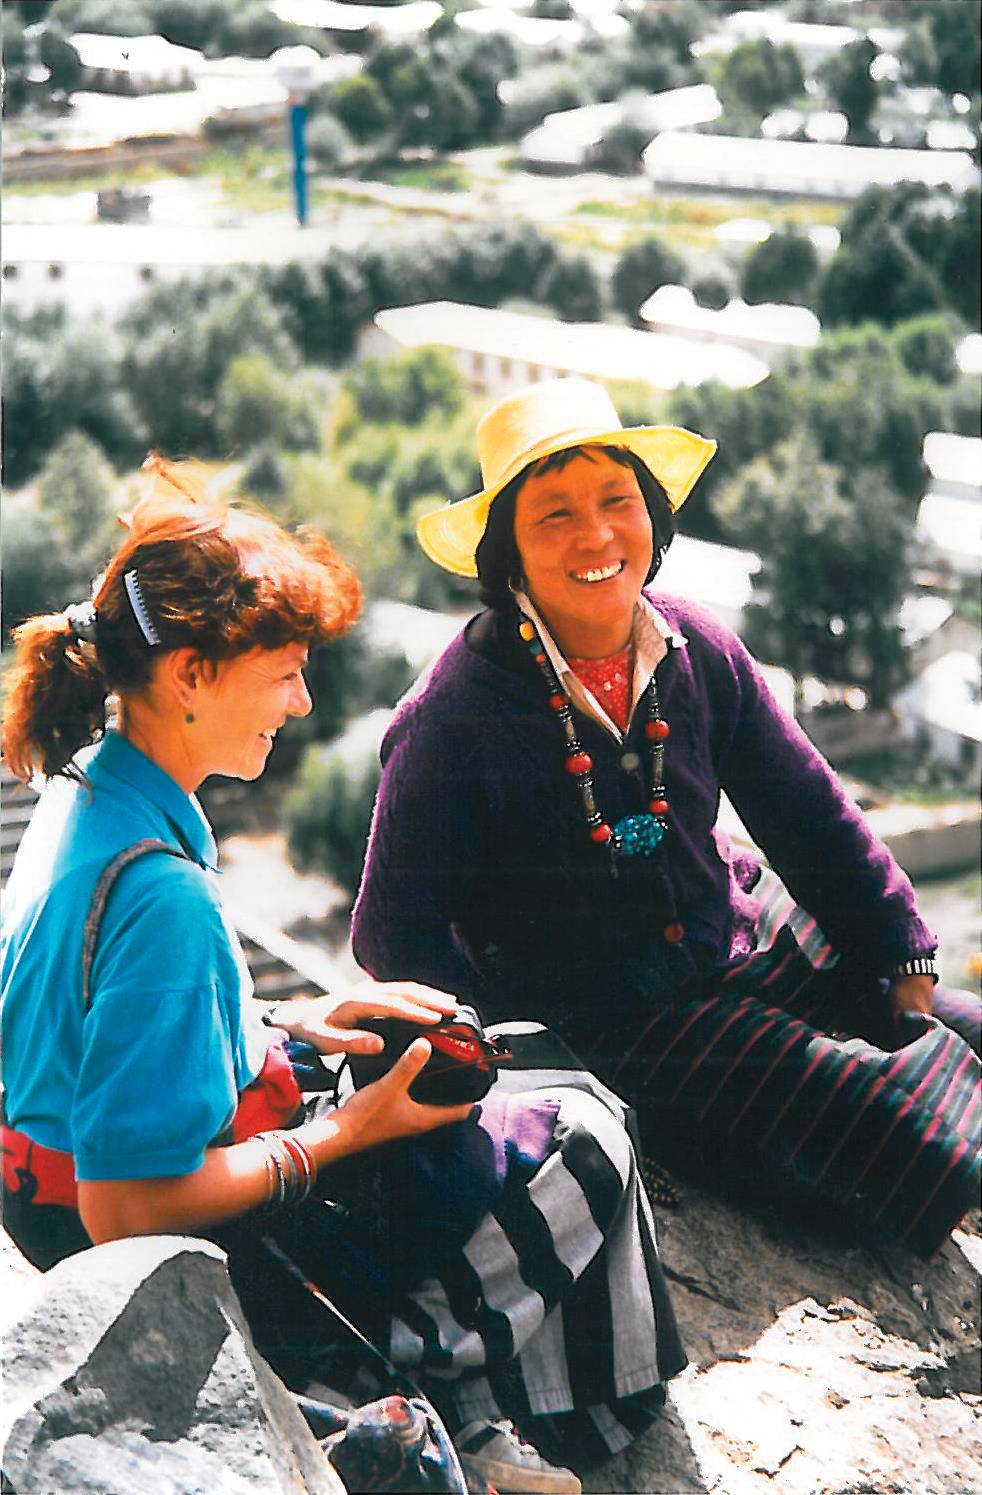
[139,1086]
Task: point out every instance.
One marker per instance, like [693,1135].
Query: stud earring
[189,717]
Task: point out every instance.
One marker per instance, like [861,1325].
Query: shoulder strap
[103,888]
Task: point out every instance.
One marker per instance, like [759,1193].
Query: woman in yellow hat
[545,844]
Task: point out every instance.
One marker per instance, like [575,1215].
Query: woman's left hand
[911,994]
[330,1023]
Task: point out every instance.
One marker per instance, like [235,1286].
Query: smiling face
[240,705]
[585,540]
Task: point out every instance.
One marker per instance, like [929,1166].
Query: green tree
[941,44]
[258,402]
[323,307]
[757,76]
[541,91]
[15,65]
[361,106]
[573,289]
[76,492]
[329,809]
[330,145]
[61,60]
[641,269]
[174,369]
[406,389]
[782,268]
[37,572]
[926,348]
[834,572]
[713,289]
[846,75]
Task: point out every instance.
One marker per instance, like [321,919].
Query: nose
[300,701]
[595,528]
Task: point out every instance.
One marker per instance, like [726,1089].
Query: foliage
[641,269]
[406,389]
[361,106]
[330,145]
[834,568]
[62,375]
[783,268]
[16,89]
[713,290]
[37,575]
[322,307]
[573,290]
[905,250]
[258,402]
[544,90]
[620,150]
[329,808]
[757,75]
[926,348]
[174,370]
[941,45]
[846,75]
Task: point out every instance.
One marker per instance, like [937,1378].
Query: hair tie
[82,619]
[144,622]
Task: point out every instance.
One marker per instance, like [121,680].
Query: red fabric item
[273,1098]
[608,680]
[53,1173]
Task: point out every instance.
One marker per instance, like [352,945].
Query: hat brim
[676,457]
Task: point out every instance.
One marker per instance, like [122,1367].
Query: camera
[460,1068]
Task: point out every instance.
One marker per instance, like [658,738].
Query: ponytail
[55,698]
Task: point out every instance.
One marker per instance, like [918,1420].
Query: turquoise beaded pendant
[638,835]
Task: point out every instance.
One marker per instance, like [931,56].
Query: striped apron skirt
[782,1077]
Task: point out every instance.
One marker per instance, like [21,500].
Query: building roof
[528,31]
[718,576]
[954,459]
[393,20]
[799,165]
[810,39]
[953,525]
[565,134]
[132,54]
[968,354]
[781,326]
[594,349]
[825,236]
[946,694]
[157,244]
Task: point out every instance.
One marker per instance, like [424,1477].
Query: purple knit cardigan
[480,873]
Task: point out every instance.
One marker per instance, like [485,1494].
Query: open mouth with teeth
[599,573]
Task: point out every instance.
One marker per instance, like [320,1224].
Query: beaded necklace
[633,835]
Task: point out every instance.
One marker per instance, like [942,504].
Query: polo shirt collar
[651,635]
[116,757]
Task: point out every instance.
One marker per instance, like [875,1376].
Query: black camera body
[460,1068]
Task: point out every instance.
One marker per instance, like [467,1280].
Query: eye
[554,514]
[619,498]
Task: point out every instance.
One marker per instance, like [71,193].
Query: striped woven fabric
[762,1077]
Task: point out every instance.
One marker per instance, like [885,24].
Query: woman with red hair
[144,1094]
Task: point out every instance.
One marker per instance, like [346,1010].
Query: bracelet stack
[290,1169]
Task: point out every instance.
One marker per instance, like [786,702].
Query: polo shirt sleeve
[163,1046]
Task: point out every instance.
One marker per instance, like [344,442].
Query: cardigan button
[630,762]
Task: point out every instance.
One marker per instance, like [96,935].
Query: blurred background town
[307,242]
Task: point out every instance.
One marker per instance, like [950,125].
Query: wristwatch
[918,965]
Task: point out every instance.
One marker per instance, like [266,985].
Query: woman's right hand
[383,1111]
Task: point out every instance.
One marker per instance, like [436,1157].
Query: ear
[180,673]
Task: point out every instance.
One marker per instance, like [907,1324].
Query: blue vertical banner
[298,126]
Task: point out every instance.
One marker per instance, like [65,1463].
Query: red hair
[213,576]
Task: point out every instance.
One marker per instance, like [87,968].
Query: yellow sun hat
[536,422]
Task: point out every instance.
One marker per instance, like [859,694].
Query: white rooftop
[950,135]
[132,53]
[567,130]
[594,349]
[394,20]
[799,165]
[528,31]
[719,576]
[921,614]
[953,525]
[821,125]
[782,326]
[808,38]
[825,236]
[946,693]
[968,354]
[954,459]
[109,244]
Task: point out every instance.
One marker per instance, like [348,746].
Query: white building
[731,163]
[718,577]
[768,330]
[498,352]
[968,354]
[134,64]
[822,125]
[102,267]
[399,22]
[570,139]
[949,517]
[941,711]
[813,43]
[746,231]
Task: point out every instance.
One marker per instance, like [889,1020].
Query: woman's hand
[381,1112]
[911,994]
[330,1023]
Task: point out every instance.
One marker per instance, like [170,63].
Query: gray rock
[817,1368]
[132,1368]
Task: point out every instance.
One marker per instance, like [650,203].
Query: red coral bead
[557,702]
[658,807]
[674,932]
[601,833]
[657,730]
[539,658]
[579,763]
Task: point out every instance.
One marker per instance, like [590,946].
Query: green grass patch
[433,176]
[707,213]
